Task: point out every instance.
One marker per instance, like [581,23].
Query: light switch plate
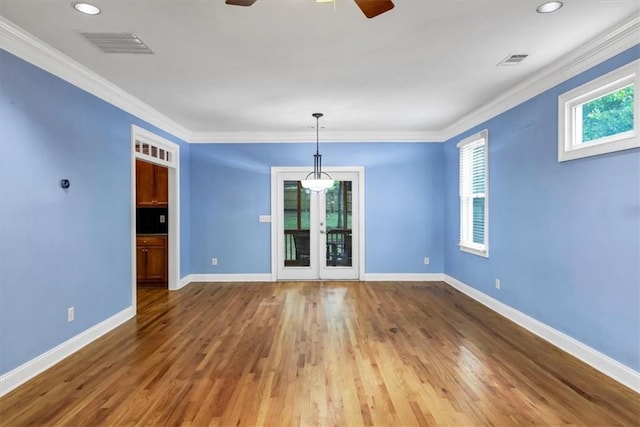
[265,218]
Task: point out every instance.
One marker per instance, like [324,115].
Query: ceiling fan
[371,8]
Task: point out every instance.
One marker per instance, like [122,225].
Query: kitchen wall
[564,238]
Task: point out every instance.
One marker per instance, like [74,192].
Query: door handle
[321,231]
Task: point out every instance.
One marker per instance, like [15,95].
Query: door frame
[275,214]
[144,136]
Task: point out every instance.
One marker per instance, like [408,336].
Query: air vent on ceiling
[117,43]
[513,59]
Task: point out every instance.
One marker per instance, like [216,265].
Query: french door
[317,235]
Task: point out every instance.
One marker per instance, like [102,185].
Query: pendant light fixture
[314,180]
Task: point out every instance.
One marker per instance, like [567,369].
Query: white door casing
[318,268]
[152,148]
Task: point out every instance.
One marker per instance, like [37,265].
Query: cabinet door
[156,264]
[141,263]
[161,185]
[144,183]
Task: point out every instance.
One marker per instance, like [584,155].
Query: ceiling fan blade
[240,2]
[373,8]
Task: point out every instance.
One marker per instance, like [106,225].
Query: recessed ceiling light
[548,7]
[86,8]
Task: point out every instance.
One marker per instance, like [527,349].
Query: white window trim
[472,248]
[570,125]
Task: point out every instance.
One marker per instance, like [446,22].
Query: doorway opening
[152,203]
[155,211]
[317,236]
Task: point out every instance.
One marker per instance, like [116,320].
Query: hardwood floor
[319,353]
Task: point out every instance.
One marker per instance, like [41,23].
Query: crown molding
[325,137]
[22,44]
[19,42]
[608,44]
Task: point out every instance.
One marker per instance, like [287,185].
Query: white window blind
[474,194]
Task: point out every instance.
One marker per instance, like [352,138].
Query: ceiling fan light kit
[314,180]
[370,8]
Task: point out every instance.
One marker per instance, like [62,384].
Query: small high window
[474,194]
[600,116]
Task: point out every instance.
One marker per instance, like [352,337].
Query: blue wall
[231,187]
[564,238]
[62,248]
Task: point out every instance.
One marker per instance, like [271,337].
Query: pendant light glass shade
[317,185]
[315,180]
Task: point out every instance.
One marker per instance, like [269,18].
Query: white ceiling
[222,69]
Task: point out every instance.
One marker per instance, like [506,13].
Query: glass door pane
[339,223]
[339,228]
[297,215]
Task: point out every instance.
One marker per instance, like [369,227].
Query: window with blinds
[474,194]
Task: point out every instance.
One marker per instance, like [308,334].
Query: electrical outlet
[71,314]
[214,261]
[426,260]
[497,283]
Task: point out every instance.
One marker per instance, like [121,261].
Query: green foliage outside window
[608,115]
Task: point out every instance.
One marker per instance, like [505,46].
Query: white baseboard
[267,277]
[260,277]
[184,282]
[603,363]
[404,277]
[26,371]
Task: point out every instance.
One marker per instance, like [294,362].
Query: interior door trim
[172,163]
[275,215]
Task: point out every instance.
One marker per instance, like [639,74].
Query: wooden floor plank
[319,354]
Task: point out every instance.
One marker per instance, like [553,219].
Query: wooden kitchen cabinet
[161,185]
[152,184]
[151,260]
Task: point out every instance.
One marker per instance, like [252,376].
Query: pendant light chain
[317,183]
[317,163]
